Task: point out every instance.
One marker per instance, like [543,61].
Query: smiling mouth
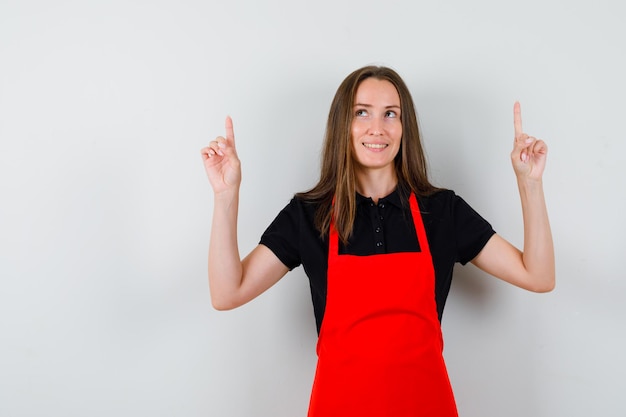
[375,145]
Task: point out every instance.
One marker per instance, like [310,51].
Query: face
[376,126]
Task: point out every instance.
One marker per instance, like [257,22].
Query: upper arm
[260,270]
[503,260]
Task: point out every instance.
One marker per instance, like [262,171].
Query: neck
[375,184]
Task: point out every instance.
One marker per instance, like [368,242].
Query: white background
[105,208]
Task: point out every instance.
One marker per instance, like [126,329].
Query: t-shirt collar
[393,198]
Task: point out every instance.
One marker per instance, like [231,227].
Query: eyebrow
[391,106]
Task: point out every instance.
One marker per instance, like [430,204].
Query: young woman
[378,243]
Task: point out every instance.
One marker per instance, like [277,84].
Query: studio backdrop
[105,208]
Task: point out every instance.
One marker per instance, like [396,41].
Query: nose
[375,127]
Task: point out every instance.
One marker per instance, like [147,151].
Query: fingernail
[528,140]
[220,153]
[221,144]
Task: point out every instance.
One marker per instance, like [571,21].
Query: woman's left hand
[529,153]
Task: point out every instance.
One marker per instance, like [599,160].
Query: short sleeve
[471,230]
[282,235]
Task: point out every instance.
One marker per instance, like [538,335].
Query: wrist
[526,182]
[226,196]
[530,189]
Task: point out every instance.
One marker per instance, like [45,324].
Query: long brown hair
[337,177]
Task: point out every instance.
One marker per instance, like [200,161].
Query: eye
[360,113]
[391,114]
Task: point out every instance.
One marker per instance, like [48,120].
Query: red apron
[380,344]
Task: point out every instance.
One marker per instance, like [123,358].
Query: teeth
[375,145]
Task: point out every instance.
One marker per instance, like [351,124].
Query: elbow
[223,297]
[221,304]
[546,285]
[224,301]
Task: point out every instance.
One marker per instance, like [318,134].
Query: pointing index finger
[230,133]
[517,119]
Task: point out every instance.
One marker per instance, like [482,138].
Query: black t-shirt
[455,232]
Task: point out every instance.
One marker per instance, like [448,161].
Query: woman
[378,243]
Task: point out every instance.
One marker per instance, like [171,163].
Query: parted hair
[335,193]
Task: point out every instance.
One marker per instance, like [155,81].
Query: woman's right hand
[221,162]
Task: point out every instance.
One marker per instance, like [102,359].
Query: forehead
[374,91]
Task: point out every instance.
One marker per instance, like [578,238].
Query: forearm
[532,269]
[225,268]
[538,255]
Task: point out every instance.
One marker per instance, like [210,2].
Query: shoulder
[439,205]
[446,212]
[444,203]
[449,214]
[292,234]
[297,215]
[439,197]
[298,205]
[302,207]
